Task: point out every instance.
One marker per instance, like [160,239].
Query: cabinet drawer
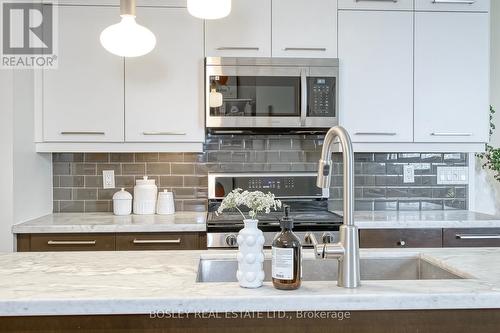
[453,5]
[72,242]
[376,4]
[158,241]
[393,238]
[482,237]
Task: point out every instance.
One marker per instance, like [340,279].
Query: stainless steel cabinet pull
[83,133]
[157,241]
[450,134]
[456,2]
[472,236]
[402,243]
[53,242]
[242,48]
[163,133]
[322,49]
[377,133]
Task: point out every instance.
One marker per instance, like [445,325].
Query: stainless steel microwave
[246,93]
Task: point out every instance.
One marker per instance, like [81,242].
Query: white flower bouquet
[256,201]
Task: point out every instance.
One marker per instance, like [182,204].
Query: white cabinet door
[164,89]
[451,77]
[314,37]
[246,32]
[83,97]
[376,75]
[453,5]
[377,4]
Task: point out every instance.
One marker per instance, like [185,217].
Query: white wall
[487,190]
[6,164]
[25,176]
[32,171]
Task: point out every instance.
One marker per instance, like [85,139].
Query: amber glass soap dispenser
[287,256]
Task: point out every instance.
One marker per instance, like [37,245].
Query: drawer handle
[377,133]
[157,241]
[241,48]
[53,242]
[321,49]
[163,133]
[402,243]
[83,133]
[456,2]
[450,134]
[471,236]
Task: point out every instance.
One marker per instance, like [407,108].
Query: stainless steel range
[309,207]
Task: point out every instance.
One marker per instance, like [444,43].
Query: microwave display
[321,97]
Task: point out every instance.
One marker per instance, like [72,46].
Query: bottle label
[282,263]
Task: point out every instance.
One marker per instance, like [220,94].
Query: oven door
[255,96]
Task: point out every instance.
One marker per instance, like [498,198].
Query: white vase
[250,272]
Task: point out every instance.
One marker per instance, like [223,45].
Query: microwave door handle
[303,97]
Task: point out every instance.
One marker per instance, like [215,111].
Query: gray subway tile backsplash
[378,176]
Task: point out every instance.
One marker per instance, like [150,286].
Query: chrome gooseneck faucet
[347,250]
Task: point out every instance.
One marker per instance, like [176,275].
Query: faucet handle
[319,249]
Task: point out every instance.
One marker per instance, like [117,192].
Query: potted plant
[250,239]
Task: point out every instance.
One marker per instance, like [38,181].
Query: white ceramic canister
[122,203]
[165,204]
[145,192]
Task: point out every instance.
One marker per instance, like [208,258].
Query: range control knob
[231,240]
[327,238]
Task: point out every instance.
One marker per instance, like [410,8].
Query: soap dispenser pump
[287,255]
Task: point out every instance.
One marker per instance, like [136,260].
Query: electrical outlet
[409,173]
[452,175]
[108,178]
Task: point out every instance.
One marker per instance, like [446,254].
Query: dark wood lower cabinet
[439,321]
[111,242]
[474,237]
[403,238]
[159,241]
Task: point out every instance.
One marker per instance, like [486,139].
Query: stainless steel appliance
[309,207]
[271,92]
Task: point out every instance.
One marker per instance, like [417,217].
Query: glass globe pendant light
[209,9]
[127,38]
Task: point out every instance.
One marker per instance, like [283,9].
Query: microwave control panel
[321,101]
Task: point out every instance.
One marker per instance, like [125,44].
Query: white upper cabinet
[453,5]
[376,71]
[164,89]
[316,34]
[82,100]
[451,77]
[246,32]
[377,4]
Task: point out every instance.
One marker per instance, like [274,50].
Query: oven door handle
[303,96]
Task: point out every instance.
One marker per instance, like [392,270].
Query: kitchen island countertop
[93,283]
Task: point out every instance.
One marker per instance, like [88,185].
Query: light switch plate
[452,175]
[108,179]
[409,173]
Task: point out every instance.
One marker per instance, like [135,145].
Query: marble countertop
[107,222]
[196,221]
[424,219]
[78,283]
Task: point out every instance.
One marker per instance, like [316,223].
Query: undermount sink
[412,268]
